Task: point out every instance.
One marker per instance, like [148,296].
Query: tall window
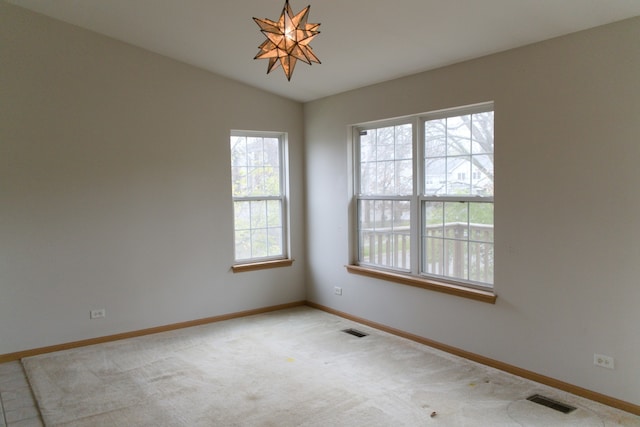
[385,196]
[424,190]
[259,198]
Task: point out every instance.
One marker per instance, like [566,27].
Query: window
[259,196]
[424,196]
[385,196]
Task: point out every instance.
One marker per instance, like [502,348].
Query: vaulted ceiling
[362,42]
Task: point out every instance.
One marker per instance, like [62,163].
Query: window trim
[262,265]
[284,260]
[415,276]
[423,282]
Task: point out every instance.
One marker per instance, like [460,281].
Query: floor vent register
[355,332]
[550,403]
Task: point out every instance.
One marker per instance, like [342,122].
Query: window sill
[239,268]
[420,282]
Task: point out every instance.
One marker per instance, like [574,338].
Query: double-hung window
[385,196]
[424,196]
[258,176]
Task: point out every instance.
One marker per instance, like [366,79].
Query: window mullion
[284,195]
[256,198]
[468,242]
[385,197]
[416,213]
[462,199]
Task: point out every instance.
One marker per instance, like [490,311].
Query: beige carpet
[288,368]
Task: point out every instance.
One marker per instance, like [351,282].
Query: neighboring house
[461,175]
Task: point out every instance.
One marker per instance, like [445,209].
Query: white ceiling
[362,42]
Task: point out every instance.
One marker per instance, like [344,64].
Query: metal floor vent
[355,332]
[550,403]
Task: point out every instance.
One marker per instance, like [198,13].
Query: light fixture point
[287,40]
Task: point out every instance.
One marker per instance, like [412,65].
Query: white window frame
[417,199]
[388,198]
[267,261]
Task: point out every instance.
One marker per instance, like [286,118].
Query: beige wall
[115,187]
[115,193]
[567,128]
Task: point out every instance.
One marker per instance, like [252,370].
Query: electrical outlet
[604,361]
[337,290]
[98,314]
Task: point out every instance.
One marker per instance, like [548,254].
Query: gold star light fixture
[287,40]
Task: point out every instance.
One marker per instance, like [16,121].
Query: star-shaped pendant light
[287,40]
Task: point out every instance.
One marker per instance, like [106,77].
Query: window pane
[366,214]
[404,150]
[242,225]
[433,213]
[386,165]
[482,175]
[255,181]
[254,152]
[385,143]
[456,218]
[435,138]
[433,256]
[457,240]
[368,176]
[271,181]
[259,243]
[242,215]
[366,230]
[238,151]
[258,214]
[238,165]
[367,146]
[455,258]
[384,233]
[432,233]
[385,181]
[255,166]
[243,244]
[467,143]
[275,241]
[271,152]
[435,176]
[404,177]
[481,262]
[481,222]
[403,157]
[458,175]
[404,138]
[482,133]
[239,181]
[458,135]
[274,213]
[402,249]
